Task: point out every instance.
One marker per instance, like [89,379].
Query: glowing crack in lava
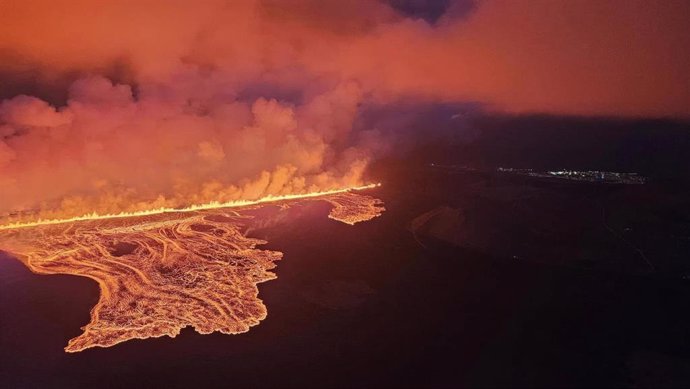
[164,271]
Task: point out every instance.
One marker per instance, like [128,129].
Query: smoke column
[115,106]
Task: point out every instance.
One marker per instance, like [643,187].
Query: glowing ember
[350,208]
[161,271]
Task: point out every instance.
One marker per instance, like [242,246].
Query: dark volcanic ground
[512,282]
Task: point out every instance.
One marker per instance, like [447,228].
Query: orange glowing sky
[610,57]
[116,106]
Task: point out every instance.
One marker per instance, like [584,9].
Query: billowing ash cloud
[108,151]
[118,105]
[215,107]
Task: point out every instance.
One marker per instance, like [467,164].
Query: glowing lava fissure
[191,208]
[159,274]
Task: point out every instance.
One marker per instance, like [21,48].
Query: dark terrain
[514,281]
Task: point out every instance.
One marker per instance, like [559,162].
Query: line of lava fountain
[191,208]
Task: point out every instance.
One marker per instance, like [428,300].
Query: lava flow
[161,271]
[196,207]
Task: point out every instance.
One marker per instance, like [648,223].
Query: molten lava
[162,270]
[196,207]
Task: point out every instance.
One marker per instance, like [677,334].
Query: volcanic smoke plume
[106,151]
[113,106]
[205,107]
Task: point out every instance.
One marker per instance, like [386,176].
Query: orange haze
[173,102]
[583,57]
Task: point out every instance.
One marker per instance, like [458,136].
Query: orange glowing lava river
[162,271]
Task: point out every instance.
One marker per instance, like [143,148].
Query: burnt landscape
[472,279]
